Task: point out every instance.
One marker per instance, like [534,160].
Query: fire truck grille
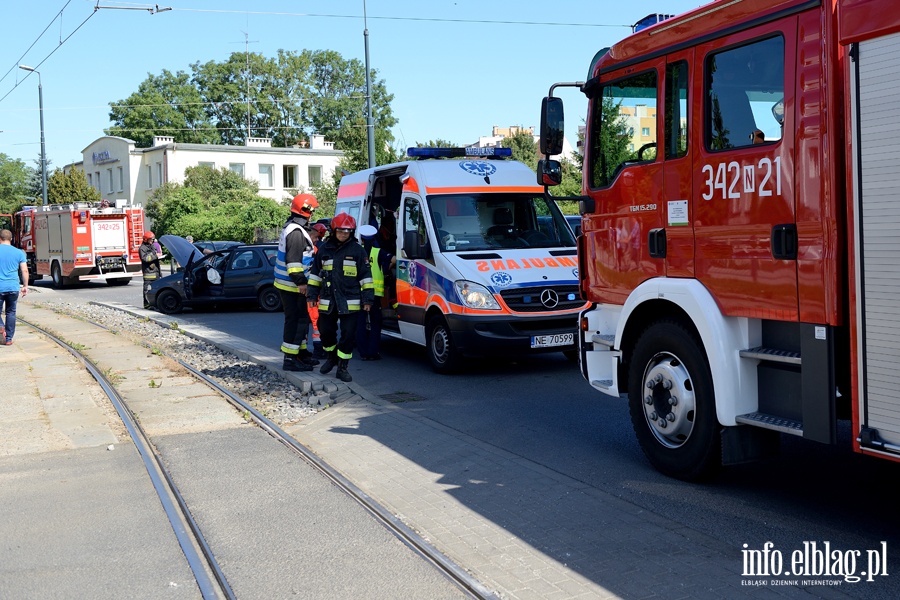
[542,298]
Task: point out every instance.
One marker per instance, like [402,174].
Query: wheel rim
[270,300]
[169,302]
[668,399]
[57,276]
[440,344]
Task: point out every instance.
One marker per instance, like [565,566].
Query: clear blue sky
[456,67]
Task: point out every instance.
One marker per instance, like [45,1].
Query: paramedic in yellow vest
[368,330]
[295,246]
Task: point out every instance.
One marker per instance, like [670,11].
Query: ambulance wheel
[441,350]
[269,299]
[59,281]
[672,402]
[169,302]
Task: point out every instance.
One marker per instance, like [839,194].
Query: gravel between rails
[275,397]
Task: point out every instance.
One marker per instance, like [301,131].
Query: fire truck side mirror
[552,126]
[549,172]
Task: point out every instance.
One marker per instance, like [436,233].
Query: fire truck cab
[739,248]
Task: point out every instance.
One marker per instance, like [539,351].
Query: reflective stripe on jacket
[341,278]
[287,273]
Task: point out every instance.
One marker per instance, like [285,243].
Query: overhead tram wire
[37,39]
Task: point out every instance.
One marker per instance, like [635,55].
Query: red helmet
[320,227]
[304,204]
[148,235]
[343,221]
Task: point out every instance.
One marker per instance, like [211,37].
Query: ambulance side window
[415,236]
[742,86]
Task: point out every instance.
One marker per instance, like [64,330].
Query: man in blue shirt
[12,262]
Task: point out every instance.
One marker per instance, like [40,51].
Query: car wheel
[269,299]
[441,350]
[59,281]
[672,402]
[169,302]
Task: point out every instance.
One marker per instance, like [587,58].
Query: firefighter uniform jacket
[294,246]
[149,261]
[340,278]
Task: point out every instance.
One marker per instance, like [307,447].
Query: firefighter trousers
[328,328]
[296,322]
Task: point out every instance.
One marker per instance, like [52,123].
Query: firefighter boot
[342,373]
[331,359]
[291,363]
[306,357]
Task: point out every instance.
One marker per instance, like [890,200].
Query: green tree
[166,104]
[14,190]
[524,148]
[287,99]
[65,188]
[213,204]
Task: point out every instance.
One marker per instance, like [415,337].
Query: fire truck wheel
[441,350]
[59,281]
[269,299]
[672,402]
[169,302]
[118,281]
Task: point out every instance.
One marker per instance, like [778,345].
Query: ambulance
[485,262]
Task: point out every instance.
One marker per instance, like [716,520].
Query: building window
[211,165]
[315,175]
[159,173]
[149,177]
[90,179]
[645,131]
[121,179]
[289,176]
[266,180]
[237,168]
[109,179]
[97,181]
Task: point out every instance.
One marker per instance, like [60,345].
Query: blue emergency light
[648,21]
[458,152]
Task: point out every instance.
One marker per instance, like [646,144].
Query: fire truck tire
[118,281]
[59,281]
[169,302]
[269,299]
[672,402]
[442,351]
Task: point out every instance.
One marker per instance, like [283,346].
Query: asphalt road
[542,410]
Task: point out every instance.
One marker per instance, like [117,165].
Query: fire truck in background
[80,241]
[740,216]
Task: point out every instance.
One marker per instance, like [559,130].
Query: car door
[242,272]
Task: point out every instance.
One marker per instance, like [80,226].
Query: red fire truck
[740,216]
[80,241]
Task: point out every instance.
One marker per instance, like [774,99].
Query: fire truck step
[772,355]
[765,421]
[602,383]
[605,340]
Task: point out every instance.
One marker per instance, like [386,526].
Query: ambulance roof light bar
[458,152]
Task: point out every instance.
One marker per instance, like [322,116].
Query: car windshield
[466,222]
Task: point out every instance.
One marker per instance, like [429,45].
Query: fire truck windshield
[466,222]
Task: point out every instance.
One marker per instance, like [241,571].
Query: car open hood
[181,250]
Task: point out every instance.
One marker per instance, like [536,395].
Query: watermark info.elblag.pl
[816,563]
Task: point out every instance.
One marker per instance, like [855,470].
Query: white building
[495,140]
[121,172]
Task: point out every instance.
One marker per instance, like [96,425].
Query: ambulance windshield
[464,222]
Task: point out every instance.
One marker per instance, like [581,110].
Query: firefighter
[295,246]
[340,282]
[149,264]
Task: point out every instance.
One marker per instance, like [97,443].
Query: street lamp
[370,126]
[43,153]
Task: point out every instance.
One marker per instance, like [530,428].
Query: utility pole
[370,126]
[43,152]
